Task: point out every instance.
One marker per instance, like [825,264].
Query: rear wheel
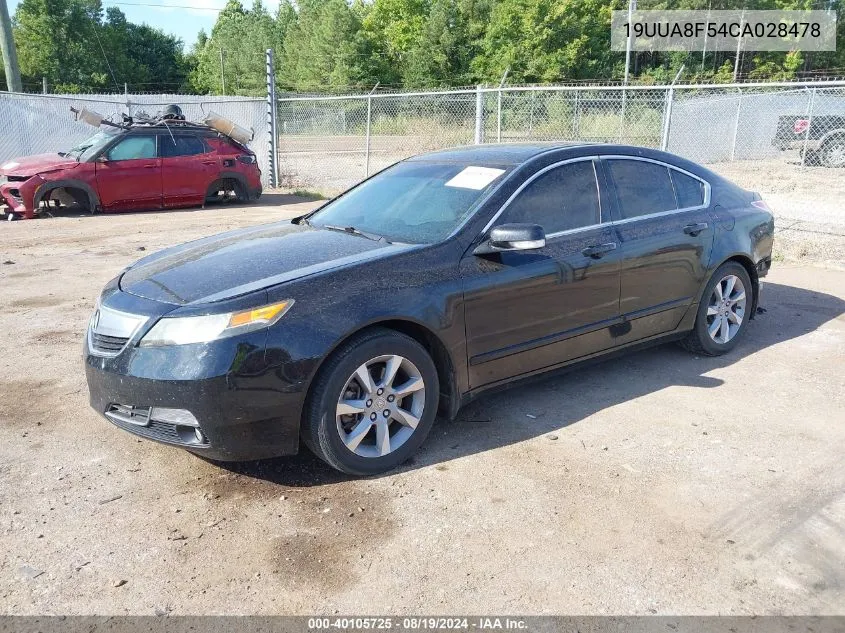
[226,190]
[723,313]
[373,403]
[833,152]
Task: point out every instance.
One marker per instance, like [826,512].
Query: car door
[666,235]
[527,310]
[188,167]
[129,174]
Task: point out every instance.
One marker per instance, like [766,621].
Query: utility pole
[10,54]
[632,6]
[222,72]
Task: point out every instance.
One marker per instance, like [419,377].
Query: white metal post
[369,123]
[670,99]
[736,124]
[809,124]
[499,107]
[479,115]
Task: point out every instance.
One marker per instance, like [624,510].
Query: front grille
[137,420]
[107,344]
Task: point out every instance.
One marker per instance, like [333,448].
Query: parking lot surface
[659,482]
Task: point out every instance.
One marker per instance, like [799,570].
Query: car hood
[238,262]
[31,165]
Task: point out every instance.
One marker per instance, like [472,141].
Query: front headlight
[202,329]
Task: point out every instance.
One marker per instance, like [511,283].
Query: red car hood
[31,165]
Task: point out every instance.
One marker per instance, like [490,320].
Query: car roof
[498,153]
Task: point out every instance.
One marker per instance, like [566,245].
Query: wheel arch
[837,133]
[745,261]
[52,185]
[449,400]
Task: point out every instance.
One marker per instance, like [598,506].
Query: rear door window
[642,187]
[181,145]
[562,199]
[688,190]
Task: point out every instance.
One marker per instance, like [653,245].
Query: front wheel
[723,313]
[833,152]
[372,404]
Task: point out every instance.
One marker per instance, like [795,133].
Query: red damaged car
[160,163]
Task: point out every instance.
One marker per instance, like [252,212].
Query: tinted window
[416,202]
[134,147]
[641,187]
[181,146]
[689,191]
[562,199]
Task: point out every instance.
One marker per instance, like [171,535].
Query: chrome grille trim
[110,330]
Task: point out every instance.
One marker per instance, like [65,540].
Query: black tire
[699,340]
[320,424]
[233,192]
[833,152]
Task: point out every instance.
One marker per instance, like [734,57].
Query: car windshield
[90,146]
[417,202]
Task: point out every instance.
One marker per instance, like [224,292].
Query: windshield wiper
[354,231]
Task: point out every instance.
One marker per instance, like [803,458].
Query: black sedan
[443,276]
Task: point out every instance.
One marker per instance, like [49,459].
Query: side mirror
[513,237]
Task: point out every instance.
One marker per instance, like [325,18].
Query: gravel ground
[660,482]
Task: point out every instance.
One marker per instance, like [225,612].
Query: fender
[832,133]
[50,185]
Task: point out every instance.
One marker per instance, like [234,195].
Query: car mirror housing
[513,237]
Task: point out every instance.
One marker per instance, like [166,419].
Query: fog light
[182,417]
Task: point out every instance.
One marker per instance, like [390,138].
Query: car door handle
[209,162]
[599,250]
[695,229]
[150,166]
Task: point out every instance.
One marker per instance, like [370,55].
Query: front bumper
[239,421]
[799,144]
[243,406]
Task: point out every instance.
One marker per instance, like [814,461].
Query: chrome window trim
[534,177]
[658,214]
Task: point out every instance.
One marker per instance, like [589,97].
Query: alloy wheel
[380,406]
[726,309]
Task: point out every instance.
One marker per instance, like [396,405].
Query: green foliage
[349,45]
[77,48]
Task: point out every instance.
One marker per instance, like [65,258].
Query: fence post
[499,106]
[736,124]
[479,115]
[670,99]
[369,124]
[809,124]
[271,118]
[575,122]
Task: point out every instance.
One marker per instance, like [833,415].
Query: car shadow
[508,416]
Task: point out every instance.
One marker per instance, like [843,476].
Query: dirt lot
[658,483]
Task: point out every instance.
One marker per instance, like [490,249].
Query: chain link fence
[39,124]
[329,143]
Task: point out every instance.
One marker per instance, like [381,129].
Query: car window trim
[539,173]
[668,166]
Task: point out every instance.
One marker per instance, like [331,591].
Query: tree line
[340,46]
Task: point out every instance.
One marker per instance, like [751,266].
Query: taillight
[247,159]
[801,125]
[761,204]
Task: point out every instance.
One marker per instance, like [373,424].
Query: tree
[78,49]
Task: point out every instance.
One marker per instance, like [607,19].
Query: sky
[178,19]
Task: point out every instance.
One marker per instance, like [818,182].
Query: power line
[165,6]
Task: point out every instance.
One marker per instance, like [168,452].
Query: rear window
[689,190]
[641,187]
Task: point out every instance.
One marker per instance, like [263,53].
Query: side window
[641,187]
[689,191]
[561,199]
[134,147]
[181,146]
